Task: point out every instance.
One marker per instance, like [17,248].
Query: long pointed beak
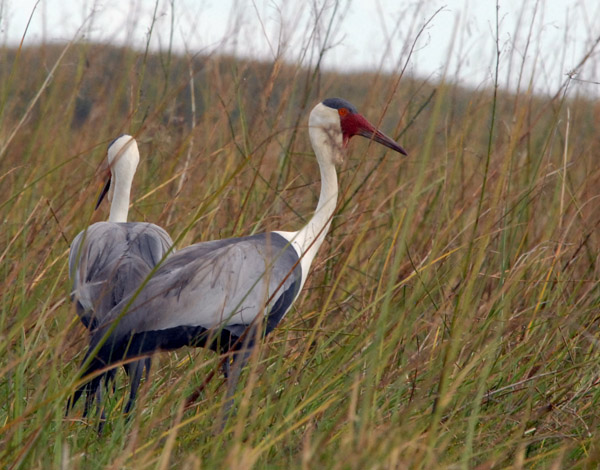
[383,139]
[103,193]
[366,129]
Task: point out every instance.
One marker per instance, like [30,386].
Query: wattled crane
[109,260]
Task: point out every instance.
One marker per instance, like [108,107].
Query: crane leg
[232,369]
[135,371]
[101,410]
[96,393]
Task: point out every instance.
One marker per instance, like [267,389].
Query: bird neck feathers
[326,140]
[119,193]
[123,159]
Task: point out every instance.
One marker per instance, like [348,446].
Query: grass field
[450,319]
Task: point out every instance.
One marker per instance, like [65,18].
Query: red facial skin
[355,124]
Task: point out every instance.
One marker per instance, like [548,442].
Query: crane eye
[342,111]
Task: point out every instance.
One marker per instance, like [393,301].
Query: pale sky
[550,36]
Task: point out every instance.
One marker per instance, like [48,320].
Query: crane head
[353,123]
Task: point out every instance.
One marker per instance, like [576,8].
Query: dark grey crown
[114,140]
[338,103]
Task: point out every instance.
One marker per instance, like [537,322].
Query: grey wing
[147,245]
[148,241]
[92,254]
[82,302]
[108,261]
[74,254]
[227,284]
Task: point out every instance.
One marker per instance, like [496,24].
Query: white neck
[308,240]
[123,158]
[119,207]
[311,236]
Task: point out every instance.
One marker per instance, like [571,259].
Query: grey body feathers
[218,284]
[108,261]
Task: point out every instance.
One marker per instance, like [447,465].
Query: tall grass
[449,321]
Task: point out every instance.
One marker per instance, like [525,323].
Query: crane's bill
[380,137]
[103,193]
[356,124]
